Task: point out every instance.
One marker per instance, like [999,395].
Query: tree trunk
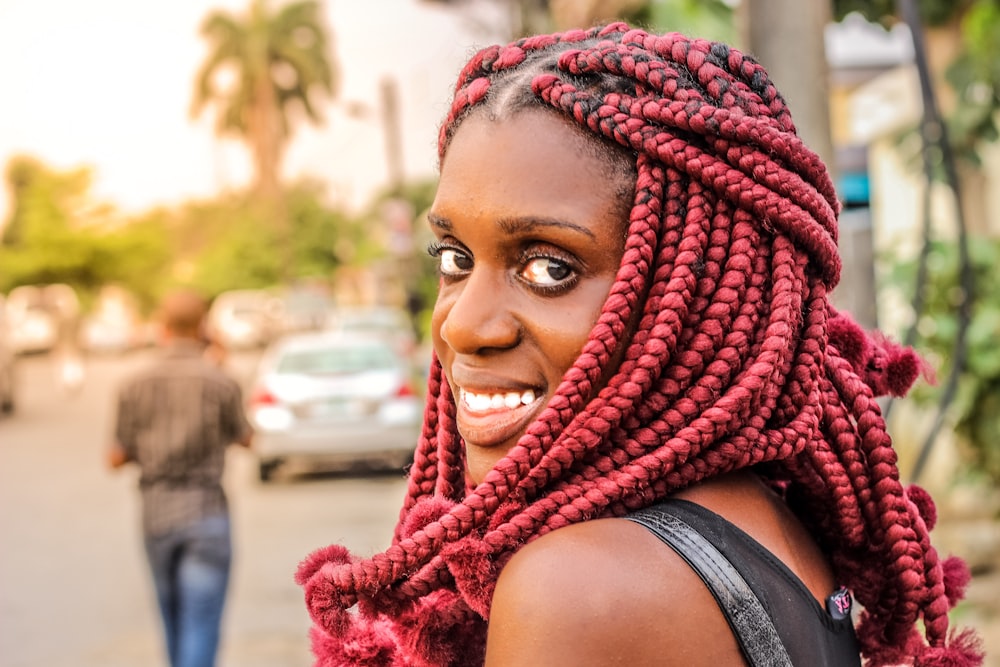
[267,141]
[786,36]
[265,138]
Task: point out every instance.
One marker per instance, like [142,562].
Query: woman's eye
[546,271]
[453,262]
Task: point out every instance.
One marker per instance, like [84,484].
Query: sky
[107,84]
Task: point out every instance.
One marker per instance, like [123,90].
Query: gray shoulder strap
[746,615]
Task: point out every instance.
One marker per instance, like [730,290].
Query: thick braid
[424,471]
[731,357]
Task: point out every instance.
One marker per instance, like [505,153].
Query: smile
[487,402]
[489,419]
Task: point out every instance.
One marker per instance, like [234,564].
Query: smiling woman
[642,406]
[528,253]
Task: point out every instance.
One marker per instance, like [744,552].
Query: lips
[487,418]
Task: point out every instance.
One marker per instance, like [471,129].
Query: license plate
[335,408]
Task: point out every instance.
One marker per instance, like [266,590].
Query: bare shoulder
[605,592]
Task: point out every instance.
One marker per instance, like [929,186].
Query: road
[74,591]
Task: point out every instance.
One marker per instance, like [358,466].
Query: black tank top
[812,636]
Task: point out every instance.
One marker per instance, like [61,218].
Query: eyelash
[436,248]
[563,285]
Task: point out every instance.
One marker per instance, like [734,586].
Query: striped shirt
[175,420]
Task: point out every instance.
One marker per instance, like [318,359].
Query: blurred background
[279,156]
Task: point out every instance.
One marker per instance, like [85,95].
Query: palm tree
[279,61]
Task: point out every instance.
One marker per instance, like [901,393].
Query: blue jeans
[190,569]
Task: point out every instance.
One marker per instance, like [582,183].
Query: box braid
[728,353]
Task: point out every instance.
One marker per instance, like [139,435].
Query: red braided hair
[734,358]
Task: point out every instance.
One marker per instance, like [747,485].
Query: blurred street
[74,590]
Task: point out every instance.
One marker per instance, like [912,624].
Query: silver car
[333,399]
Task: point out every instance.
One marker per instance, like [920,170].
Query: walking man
[174,420]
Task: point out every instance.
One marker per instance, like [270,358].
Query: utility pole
[787,38]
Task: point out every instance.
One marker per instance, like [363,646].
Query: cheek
[564,330]
[562,347]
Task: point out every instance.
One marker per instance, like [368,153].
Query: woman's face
[530,231]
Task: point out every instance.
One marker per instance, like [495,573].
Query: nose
[477,316]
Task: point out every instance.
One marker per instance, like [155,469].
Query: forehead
[531,162]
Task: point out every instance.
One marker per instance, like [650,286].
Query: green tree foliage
[55,234]
[239,253]
[977,403]
[278,63]
[42,199]
[711,19]
[975,76]
[933,12]
[240,248]
[708,19]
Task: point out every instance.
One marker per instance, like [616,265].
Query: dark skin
[569,597]
[516,305]
[527,258]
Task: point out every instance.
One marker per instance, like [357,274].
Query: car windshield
[336,360]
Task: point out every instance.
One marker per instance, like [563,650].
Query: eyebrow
[515,225]
[437,221]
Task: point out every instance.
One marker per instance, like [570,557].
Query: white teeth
[478,401]
[509,400]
